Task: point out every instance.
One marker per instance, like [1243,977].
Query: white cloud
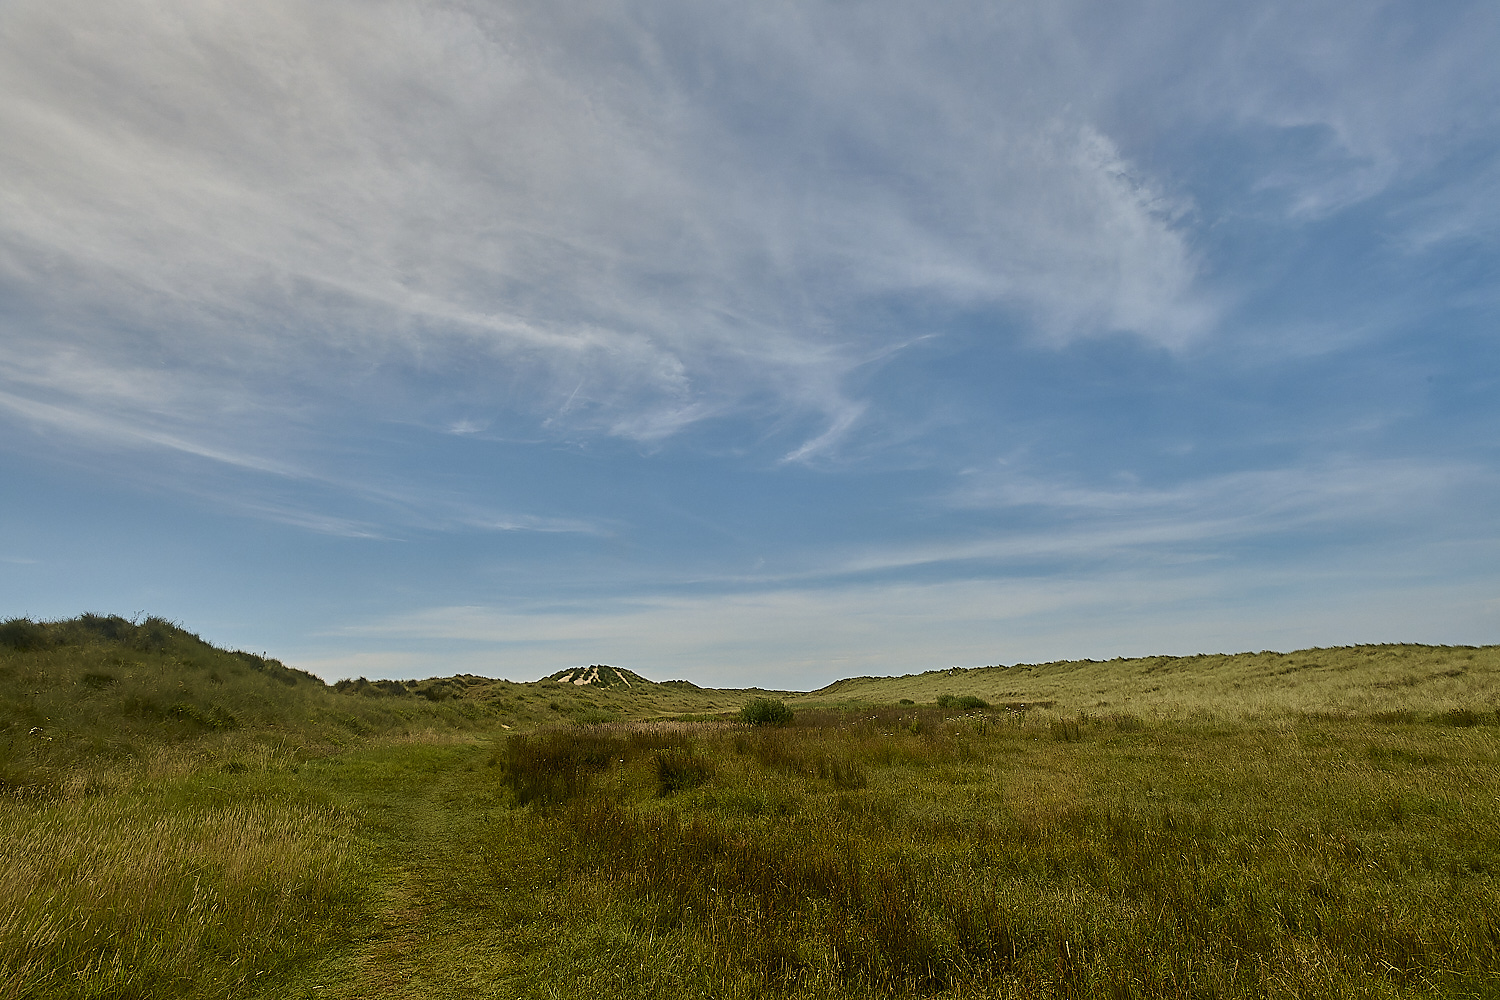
[225,227]
[1200,521]
[628,220]
[82,423]
[384,510]
[1352,99]
[1340,487]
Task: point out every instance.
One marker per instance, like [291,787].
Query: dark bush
[111,627]
[290,676]
[964,703]
[155,634]
[766,712]
[434,691]
[360,685]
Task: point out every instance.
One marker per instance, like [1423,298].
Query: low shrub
[766,712]
[374,689]
[22,634]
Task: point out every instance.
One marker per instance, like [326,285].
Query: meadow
[204,822]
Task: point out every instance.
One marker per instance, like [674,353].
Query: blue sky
[752,344]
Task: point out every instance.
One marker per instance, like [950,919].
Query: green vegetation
[964,703]
[181,821]
[765,712]
[157,840]
[1346,680]
[913,852]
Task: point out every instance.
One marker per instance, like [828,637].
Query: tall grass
[1016,855]
[1315,824]
[121,897]
[153,840]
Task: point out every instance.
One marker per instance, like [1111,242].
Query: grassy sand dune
[178,820]
[1355,680]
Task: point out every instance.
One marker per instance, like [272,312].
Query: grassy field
[1347,680]
[182,821]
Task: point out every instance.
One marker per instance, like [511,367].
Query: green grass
[1358,680]
[905,853]
[194,822]
[163,892]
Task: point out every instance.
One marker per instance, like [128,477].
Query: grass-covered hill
[104,688]
[1349,680]
[179,820]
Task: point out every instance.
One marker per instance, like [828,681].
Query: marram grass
[120,897]
[992,857]
[179,821]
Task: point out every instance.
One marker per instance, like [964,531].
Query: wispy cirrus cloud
[585,214]
[710,305]
[1017,523]
[640,219]
[384,509]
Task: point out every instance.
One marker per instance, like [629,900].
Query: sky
[752,344]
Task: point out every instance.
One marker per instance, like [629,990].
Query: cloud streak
[389,510]
[801,639]
[718,307]
[587,211]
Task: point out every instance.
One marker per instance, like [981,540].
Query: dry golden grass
[913,852]
[192,823]
[116,897]
[1353,680]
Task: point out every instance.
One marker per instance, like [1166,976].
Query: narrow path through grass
[462,900]
[603,896]
[423,929]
